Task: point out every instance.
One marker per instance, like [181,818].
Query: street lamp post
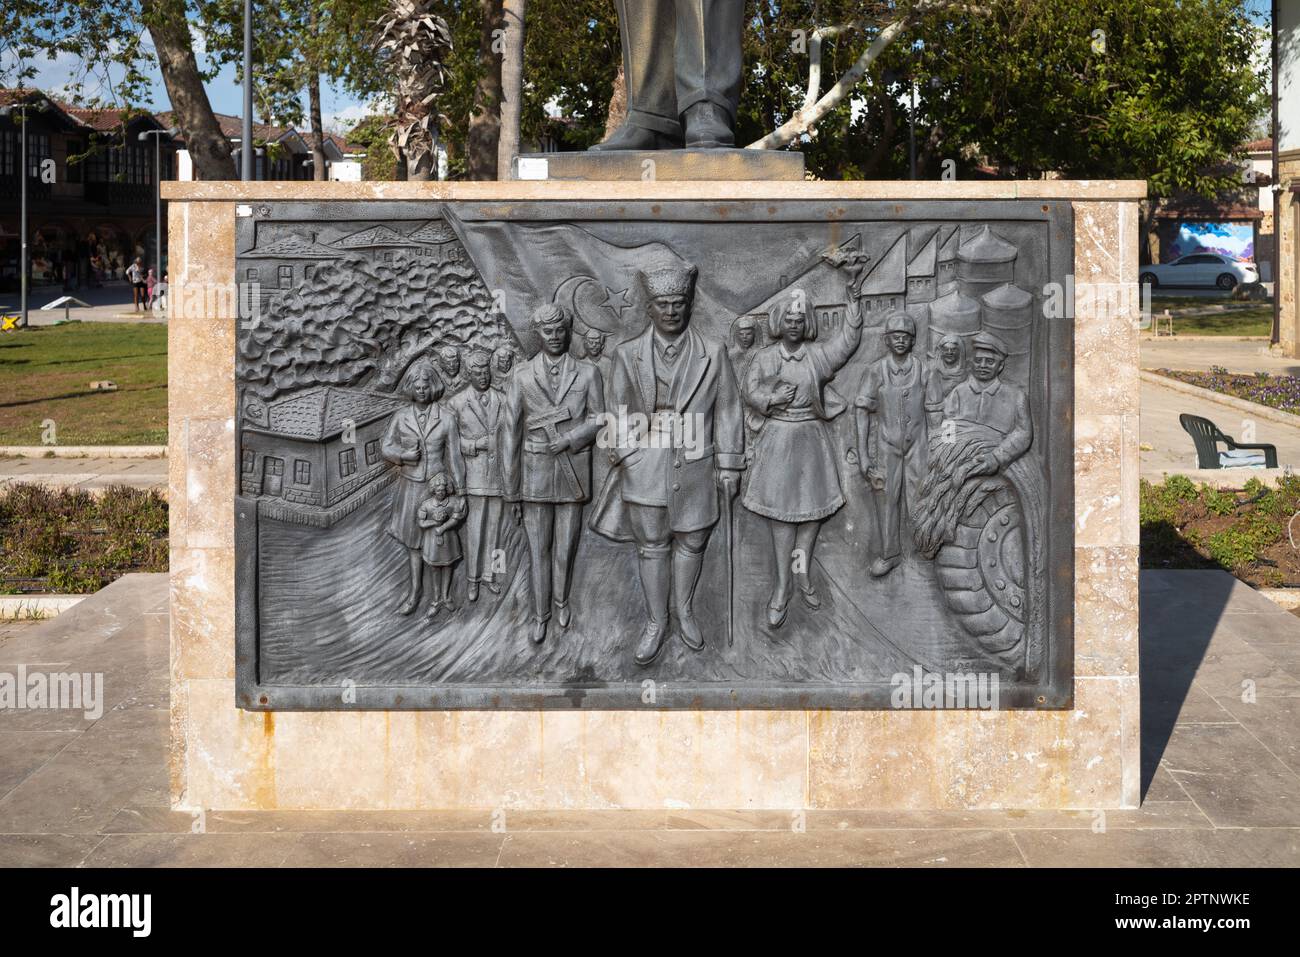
[21,110]
[246,132]
[157,193]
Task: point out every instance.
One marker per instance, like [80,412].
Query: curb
[83,451]
[14,607]
[1232,479]
[1231,401]
[1286,598]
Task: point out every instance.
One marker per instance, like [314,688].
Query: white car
[1201,269]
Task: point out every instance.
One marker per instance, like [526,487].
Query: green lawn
[1255,321]
[46,371]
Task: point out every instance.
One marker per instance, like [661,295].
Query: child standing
[438,516]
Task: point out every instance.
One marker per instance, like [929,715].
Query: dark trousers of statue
[677,53]
[553,531]
[481,529]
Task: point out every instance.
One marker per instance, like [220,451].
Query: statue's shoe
[632,137]
[776,613]
[471,591]
[537,633]
[883,566]
[563,614]
[492,585]
[408,606]
[808,593]
[708,127]
[689,630]
[651,643]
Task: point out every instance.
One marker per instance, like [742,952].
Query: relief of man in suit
[663,493]
[478,414]
[552,413]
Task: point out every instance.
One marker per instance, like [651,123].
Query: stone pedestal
[661,166]
[1084,756]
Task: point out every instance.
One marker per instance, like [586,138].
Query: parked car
[1201,269]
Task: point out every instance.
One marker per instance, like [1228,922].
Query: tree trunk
[208,147]
[512,84]
[485,117]
[318,169]
[617,103]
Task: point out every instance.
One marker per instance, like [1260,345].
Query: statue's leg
[539,523]
[647,30]
[708,62]
[568,530]
[651,528]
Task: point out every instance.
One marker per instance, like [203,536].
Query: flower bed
[1247,533]
[70,542]
[1276,391]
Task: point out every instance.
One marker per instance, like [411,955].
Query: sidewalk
[89,473]
[108,303]
[1165,447]
[1246,356]
[1220,776]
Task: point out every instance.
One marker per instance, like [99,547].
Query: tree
[107,38]
[485,115]
[295,44]
[413,44]
[512,83]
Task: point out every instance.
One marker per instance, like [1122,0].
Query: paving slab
[1222,787]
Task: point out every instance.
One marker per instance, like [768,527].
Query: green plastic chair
[1207,437]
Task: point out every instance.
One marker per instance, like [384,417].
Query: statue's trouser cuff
[708,55]
[685,100]
[669,126]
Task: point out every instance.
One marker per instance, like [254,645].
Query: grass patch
[1275,391]
[46,371]
[1188,526]
[70,542]
[1255,321]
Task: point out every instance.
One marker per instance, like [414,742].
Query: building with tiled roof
[97,215]
[312,457]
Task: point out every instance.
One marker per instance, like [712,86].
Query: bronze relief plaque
[671,454]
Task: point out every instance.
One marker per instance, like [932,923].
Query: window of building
[74,149]
[301,472]
[348,462]
[247,458]
[8,152]
[38,150]
[372,451]
[286,276]
[250,275]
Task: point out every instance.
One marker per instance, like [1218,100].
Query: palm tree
[415,43]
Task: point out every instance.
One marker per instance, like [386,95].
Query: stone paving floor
[1220,729]
[1166,447]
[90,474]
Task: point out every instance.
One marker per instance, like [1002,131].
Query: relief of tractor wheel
[982,573]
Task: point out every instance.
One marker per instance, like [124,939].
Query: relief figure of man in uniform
[663,494]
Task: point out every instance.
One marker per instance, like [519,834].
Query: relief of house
[883,288]
[283,264]
[433,242]
[922,266]
[314,456]
[820,288]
